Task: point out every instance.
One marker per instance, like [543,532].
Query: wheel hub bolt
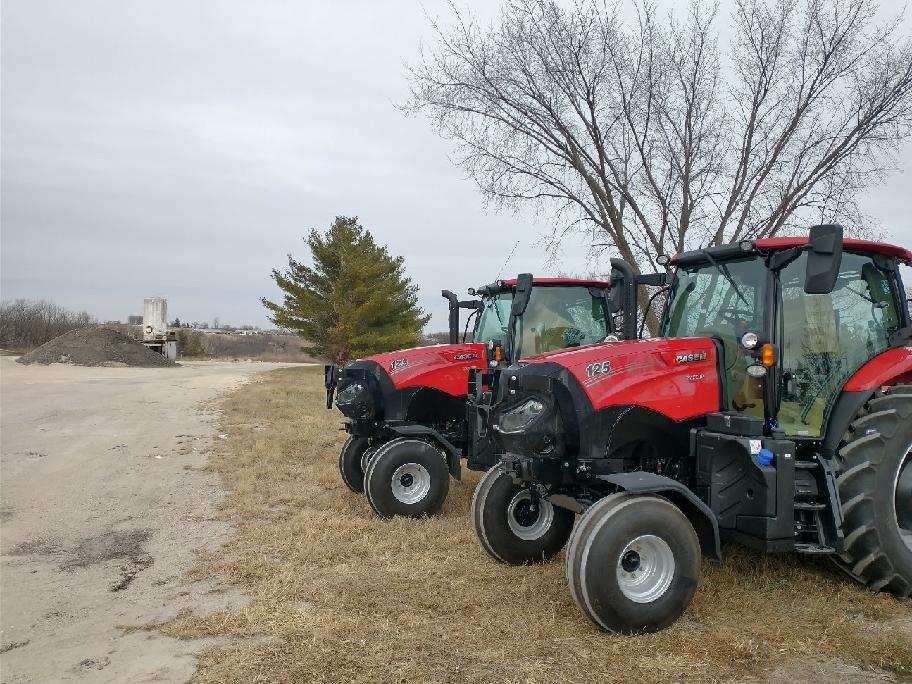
[406,480]
[630,561]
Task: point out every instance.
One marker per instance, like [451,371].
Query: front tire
[874,480]
[350,462]
[407,477]
[511,527]
[634,563]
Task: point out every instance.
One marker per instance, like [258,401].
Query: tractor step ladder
[810,537]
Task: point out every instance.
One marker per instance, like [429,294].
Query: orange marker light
[768,355]
[498,353]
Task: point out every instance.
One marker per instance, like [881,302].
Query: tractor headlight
[532,428]
[356,401]
[520,418]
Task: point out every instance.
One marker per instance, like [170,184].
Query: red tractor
[408,413]
[774,410]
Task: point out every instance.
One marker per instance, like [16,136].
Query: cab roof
[770,244]
[851,244]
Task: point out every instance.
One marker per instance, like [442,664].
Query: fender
[887,368]
[699,514]
[452,453]
[893,365]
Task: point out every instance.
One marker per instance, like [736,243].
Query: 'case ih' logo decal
[594,369]
[465,356]
[690,358]
[398,364]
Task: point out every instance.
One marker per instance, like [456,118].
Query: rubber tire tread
[512,550]
[583,526]
[597,534]
[350,463]
[869,451]
[379,493]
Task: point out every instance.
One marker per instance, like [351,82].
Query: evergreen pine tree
[354,301]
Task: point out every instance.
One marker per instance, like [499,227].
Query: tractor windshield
[722,299]
[494,318]
[559,317]
[556,317]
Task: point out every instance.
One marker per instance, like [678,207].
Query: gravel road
[102,509]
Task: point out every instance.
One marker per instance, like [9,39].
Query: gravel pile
[96,347]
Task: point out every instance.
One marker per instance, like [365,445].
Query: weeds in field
[339,595]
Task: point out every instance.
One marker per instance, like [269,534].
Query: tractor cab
[522,316]
[793,318]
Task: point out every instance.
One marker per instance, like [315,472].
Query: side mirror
[824,259]
[625,284]
[522,294]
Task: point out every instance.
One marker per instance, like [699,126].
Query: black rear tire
[634,563]
[407,477]
[511,527]
[876,503]
[350,462]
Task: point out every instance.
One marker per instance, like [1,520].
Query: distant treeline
[26,324]
[260,346]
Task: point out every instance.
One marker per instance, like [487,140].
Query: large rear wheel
[874,479]
[407,477]
[634,563]
[513,525]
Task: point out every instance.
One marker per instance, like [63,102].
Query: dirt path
[102,508]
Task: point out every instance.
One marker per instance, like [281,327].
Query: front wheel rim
[529,520]
[410,483]
[902,499]
[645,568]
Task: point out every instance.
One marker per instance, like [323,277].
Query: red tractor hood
[675,377]
[441,366]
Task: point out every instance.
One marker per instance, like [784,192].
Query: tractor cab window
[559,317]
[494,318]
[826,338]
[723,300]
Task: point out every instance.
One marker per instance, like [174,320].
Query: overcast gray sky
[184,148]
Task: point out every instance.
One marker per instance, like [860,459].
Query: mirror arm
[779,260]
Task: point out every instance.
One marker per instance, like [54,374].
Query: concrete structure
[155,327]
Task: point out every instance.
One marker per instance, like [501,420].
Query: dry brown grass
[339,595]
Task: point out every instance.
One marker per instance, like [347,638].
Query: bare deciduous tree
[26,324]
[657,138]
